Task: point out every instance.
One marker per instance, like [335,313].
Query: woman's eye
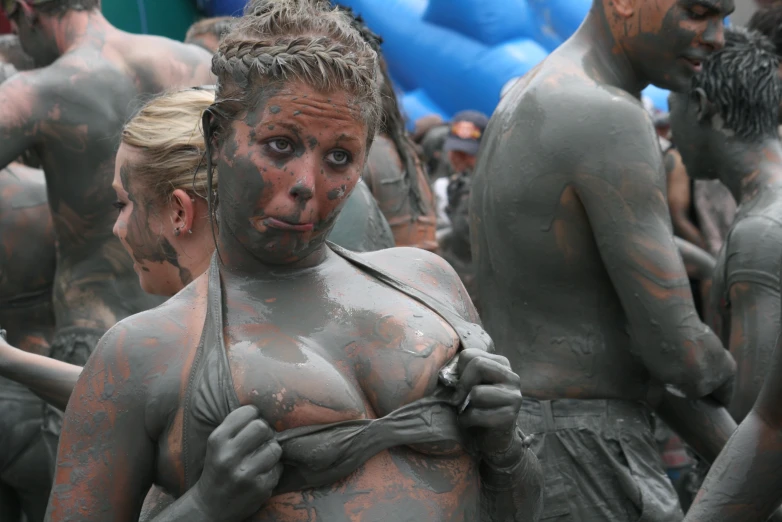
[119,205]
[281,145]
[339,158]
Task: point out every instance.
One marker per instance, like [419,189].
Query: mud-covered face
[144,232]
[36,42]
[668,40]
[286,169]
[696,139]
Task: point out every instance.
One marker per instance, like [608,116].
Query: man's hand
[724,393]
[242,466]
[489,398]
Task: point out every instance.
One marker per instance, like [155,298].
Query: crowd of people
[234,287]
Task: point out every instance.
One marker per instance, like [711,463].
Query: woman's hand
[489,398]
[242,466]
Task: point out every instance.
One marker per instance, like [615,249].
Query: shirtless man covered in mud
[26,277]
[27,261]
[70,112]
[579,278]
[727,124]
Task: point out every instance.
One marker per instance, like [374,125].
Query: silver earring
[190,231]
[177,232]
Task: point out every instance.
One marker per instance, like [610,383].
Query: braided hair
[284,41]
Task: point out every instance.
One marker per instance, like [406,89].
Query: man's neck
[76,28]
[605,55]
[752,168]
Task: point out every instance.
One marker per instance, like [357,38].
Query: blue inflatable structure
[450,55]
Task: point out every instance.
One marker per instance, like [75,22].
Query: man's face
[668,40]
[695,139]
[35,41]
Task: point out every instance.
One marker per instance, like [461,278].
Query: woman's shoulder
[147,335]
[426,272]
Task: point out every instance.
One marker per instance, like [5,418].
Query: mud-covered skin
[699,263]
[27,263]
[744,483]
[145,240]
[680,199]
[27,259]
[455,246]
[71,113]
[746,293]
[745,296]
[355,373]
[387,179]
[310,338]
[580,282]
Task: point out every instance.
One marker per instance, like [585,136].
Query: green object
[171,18]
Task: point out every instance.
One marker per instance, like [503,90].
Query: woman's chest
[324,362]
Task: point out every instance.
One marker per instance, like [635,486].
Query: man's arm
[704,424]
[745,483]
[620,180]
[680,198]
[19,116]
[752,279]
[699,263]
[51,380]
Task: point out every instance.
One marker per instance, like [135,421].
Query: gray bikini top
[315,456]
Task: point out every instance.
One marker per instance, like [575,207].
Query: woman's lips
[270,222]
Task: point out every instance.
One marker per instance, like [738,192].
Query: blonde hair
[167,132]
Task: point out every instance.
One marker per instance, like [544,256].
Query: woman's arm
[51,380]
[106,457]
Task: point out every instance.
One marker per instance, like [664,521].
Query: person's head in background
[731,108]
[207,33]
[464,140]
[432,150]
[424,125]
[768,22]
[11,52]
[161,185]
[39,24]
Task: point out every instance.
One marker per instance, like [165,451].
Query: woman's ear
[210,127]
[182,212]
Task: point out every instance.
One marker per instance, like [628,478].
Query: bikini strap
[471,335]
[210,394]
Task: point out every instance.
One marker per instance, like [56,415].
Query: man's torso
[546,297]
[90,93]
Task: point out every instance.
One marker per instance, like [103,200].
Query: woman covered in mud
[296,380]
[174,244]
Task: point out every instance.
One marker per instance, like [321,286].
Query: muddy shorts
[73,345]
[25,475]
[600,462]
